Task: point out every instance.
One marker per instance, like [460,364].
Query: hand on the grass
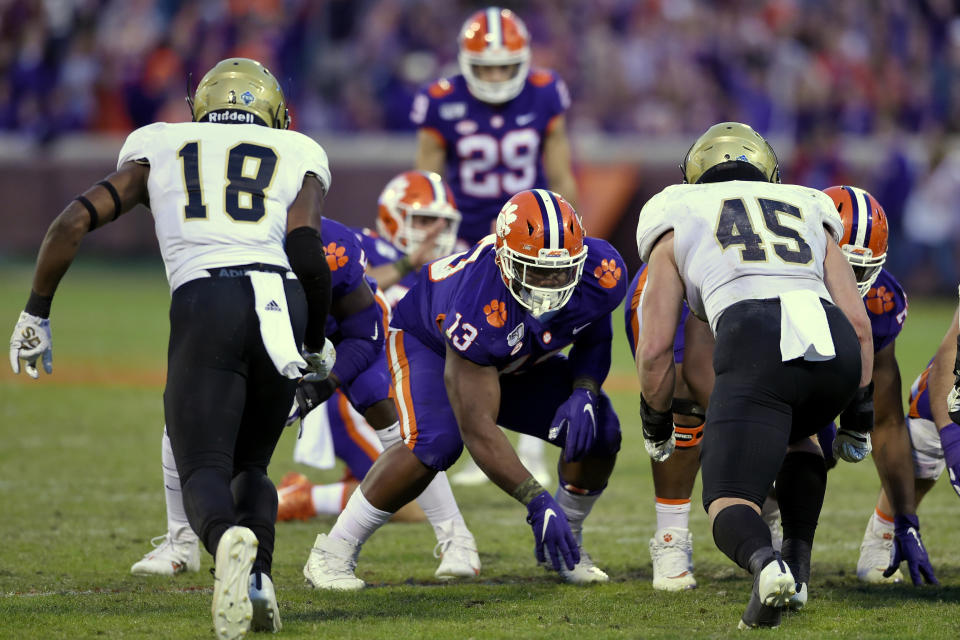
[31,341]
[907,546]
[551,532]
[577,420]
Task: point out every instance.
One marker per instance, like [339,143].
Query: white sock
[389,436]
[530,448]
[673,514]
[882,523]
[177,524]
[437,499]
[577,507]
[439,505]
[358,520]
[328,498]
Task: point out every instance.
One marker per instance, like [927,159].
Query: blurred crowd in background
[813,71]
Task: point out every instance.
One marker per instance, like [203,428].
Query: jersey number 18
[241,179]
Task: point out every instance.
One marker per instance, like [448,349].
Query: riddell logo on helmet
[231,115]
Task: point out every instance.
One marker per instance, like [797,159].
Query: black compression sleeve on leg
[739,532]
[801,485]
[305,250]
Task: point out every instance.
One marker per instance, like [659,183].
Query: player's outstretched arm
[662,304]
[945,383]
[101,204]
[557,161]
[474,394]
[431,152]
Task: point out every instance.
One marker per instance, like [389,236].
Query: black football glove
[311,395]
[658,436]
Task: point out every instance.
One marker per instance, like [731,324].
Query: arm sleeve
[314,162]
[590,354]
[137,146]
[305,252]
[361,341]
[652,224]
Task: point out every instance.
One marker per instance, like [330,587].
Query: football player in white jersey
[760,262]
[236,199]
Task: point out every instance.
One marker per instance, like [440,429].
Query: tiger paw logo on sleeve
[880,300]
[335,256]
[496,313]
[608,273]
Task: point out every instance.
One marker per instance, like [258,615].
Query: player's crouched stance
[780,298]
[476,343]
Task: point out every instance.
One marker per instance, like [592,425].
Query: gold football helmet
[240,85]
[730,151]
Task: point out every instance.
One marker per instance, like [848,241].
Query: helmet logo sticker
[496,313]
[506,218]
[247,98]
[232,97]
[608,273]
[742,158]
[335,256]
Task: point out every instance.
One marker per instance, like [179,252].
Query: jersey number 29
[243,177]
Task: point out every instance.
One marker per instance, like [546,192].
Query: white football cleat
[773,588]
[172,554]
[799,599]
[584,572]
[331,565]
[671,550]
[266,613]
[876,551]
[469,476]
[232,609]
[457,550]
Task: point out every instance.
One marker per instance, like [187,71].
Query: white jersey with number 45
[741,240]
[219,193]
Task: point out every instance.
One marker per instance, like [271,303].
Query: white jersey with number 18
[741,240]
[219,193]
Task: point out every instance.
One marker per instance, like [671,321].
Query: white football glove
[851,446]
[953,403]
[31,341]
[319,365]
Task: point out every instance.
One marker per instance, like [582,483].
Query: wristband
[588,383]
[527,490]
[38,305]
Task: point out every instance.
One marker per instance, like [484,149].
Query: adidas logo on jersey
[273,306]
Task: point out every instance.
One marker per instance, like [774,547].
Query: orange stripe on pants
[400,374]
[343,407]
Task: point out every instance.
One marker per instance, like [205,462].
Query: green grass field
[81,497]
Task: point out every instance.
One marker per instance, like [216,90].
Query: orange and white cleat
[294,498]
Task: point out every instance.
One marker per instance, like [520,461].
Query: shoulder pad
[541,77]
[440,88]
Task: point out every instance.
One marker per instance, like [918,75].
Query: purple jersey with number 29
[492,151]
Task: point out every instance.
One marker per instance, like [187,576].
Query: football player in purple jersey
[495,129]
[417,212]
[477,342]
[892,534]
